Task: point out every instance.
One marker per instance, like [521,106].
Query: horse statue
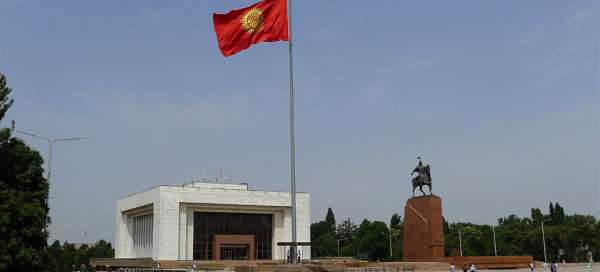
[424,177]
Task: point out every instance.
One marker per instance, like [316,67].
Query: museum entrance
[232,236]
[234,252]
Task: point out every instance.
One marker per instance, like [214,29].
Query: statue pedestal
[423,229]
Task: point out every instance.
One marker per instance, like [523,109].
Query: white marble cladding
[173,208]
[142,235]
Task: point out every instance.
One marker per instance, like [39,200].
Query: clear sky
[501,97]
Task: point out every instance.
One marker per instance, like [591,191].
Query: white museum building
[210,221]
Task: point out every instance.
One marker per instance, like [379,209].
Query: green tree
[66,257]
[5,100]
[395,221]
[330,220]
[559,214]
[323,236]
[397,232]
[371,241]
[317,229]
[346,231]
[326,245]
[83,255]
[536,216]
[552,215]
[23,200]
[572,234]
[102,249]
[55,258]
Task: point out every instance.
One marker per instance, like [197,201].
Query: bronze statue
[424,177]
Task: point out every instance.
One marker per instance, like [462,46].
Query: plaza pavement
[567,268]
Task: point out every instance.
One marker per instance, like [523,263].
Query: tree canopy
[323,236]
[5,100]
[573,236]
[23,199]
[65,257]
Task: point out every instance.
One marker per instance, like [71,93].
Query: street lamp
[50,146]
[494,233]
[390,236]
[544,242]
[390,239]
[460,242]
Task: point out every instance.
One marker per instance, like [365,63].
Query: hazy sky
[501,97]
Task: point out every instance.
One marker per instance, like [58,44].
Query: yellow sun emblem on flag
[252,20]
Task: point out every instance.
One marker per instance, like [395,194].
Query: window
[207,224]
[141,233]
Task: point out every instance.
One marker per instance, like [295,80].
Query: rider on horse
[424,177]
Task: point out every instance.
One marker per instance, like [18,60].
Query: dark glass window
[207,224]
[234,252]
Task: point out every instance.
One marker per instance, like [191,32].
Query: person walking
[452,267]
[464,267]
[473,268]
[532,266]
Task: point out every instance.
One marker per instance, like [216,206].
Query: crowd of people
[553,267]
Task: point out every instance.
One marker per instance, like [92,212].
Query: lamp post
[460,242]
[390,236]
[51,146]
[390,239]
[544,242]
[494,233]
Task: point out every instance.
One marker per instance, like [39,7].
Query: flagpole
[293,248]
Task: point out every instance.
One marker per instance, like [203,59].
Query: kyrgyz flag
[265,21]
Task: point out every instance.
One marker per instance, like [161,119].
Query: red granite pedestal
[423,229]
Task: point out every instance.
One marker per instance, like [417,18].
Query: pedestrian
[554,267]
[464,267]
[532,266]
[452,267]
[473,268]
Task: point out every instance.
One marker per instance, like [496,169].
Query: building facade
[209,221]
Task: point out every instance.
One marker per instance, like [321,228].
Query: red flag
[265,21]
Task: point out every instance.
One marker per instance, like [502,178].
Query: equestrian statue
[424,177]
